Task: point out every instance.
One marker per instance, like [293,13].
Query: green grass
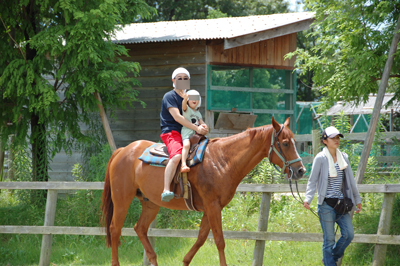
[286,215]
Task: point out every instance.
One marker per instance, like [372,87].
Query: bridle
[274,139]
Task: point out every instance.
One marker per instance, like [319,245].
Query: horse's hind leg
[122,200]
[149,213]
[203,234]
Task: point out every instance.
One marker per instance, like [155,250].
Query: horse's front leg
[215,220]
[203,234]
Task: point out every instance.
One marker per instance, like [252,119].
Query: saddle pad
[149,158]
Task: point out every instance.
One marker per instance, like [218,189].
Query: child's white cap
[194,92]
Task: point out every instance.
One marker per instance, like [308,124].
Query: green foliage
[201,9]
[69,43]
[351,47]
[94,167]
[263,173]
[216,13]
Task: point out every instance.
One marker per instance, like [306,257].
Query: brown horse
[214,182]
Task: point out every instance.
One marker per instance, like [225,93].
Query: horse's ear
[276,125]
[287,122]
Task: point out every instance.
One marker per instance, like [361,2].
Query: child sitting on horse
[171,121]
[190,108]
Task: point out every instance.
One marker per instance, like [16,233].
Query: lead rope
[301,201]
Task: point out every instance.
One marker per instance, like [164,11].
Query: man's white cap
[331,132]
[194,92]
[180,70]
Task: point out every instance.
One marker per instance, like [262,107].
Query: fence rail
[380,239]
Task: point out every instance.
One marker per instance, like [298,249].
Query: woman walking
[327,172]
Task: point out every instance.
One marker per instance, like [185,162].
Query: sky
[293,6]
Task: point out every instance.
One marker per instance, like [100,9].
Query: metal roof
[367,108]
[206,29]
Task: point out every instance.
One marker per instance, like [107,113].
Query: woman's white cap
[331,132]
[194,92]
[180,70]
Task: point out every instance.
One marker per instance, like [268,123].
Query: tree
[200,9]
[305,91]
[351,47]
[70,42]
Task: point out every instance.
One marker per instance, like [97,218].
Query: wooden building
[237,65]
[213,49]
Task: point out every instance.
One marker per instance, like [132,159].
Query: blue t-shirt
[167,121]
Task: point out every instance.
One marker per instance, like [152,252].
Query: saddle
[161,149]
[181,178]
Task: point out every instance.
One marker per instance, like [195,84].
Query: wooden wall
[158,61]
[268,53]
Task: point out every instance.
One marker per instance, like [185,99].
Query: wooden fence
[381,238]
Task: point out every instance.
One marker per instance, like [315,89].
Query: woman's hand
[358,208]
[306,205]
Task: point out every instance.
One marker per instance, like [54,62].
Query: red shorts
[173,141]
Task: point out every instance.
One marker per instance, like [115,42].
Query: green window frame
[265,92]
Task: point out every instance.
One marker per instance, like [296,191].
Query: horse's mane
[251,132]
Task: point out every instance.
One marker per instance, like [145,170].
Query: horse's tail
[107,206]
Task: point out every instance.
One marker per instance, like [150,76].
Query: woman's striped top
[335,184]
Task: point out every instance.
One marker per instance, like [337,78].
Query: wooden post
[391,120]
[377,107]
[316,140]
[11,168]
[152,240]
[262,226]
[106,125]
[2,155]
[48,221]
[384,228]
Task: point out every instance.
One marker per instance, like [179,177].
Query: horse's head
[283,150]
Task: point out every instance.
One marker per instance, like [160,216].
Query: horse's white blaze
[294,145]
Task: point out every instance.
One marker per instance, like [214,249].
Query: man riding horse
[171,121]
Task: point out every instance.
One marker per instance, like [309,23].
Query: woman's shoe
[185,169]
[167,196]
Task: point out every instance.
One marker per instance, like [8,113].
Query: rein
[274,139]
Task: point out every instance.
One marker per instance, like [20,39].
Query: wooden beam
[384,228]
[49,218]
[2,155]
[245,89]
[267,34]
[263,217]
[388,136]
[378,106]
[106,125]
[185,233]
[277,188]
[316,142]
